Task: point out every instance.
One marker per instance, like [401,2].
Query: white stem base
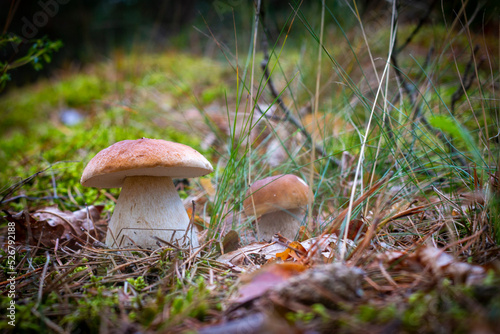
[287,223]
[149,206]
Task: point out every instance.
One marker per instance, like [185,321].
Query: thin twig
[52,325]
[42,279]
[32,198]
[18,278]
[412,93]
[420,24]
[21,183]
[287,112]
[467,79]
[190,225]
[364,244]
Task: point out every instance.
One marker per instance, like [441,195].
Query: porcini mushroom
[148,204]
[281,202]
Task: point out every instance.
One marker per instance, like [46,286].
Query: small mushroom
[281,202]
[148,204]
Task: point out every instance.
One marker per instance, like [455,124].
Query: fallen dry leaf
[231,241]
[31,231]
[440,263]
[199,222]
[50,226]
[444,264]
[294,250]
[258,282]
[74,222]
[254,323]
[207,185]
[259,253]
[254,254]
[326,245]
[329,284]
[304,234]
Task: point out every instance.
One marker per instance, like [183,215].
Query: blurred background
[91,30]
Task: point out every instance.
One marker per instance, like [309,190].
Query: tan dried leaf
[260,281]
[50,226]
[444,264]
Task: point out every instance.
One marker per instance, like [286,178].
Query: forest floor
[398,144]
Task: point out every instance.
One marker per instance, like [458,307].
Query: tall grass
[423,109]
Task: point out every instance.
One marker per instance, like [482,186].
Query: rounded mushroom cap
[274,193]
[143,157]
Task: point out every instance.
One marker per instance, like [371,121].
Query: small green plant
[95,282]
[24,320]
[77,270]
[90,308]
[193,303]
[318,311]
[138,284]
[39,52]
[300,316]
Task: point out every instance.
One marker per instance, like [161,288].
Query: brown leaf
[340,218]
[254,254]
[265,278]
[438,262]
[32,231]
[304,234]
[261,252]
[75,223]
[294,250]
[199,222]
[444,264]
[255,323]
[49,224]
[231,241]
[208,187]
[326,245]
[355,226]
[404,213]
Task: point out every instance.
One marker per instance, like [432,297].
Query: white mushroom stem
[286,222]
[148,206]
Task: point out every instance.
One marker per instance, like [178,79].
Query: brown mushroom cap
[274,193]
[143,157]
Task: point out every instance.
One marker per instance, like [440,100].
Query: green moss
[81,90]
[137,283]
[90,309]
[372,314]
[213,93]
[67,150]
[24,320]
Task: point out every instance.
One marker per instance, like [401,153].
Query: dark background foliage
[91,29]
